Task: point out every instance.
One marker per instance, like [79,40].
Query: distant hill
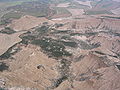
[15,0]
[9,0]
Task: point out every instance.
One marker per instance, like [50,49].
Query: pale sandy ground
[63,5]
[1,27]
[86,22]
[101,15]
[88,3]
[27,22]
[76,12]
[112,23]
[6,41]
[107,44]
[84,38]
[24,23]
[100,77]
[82,24]
[116,11]
[24,71]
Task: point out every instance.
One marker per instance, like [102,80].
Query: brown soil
[27,22]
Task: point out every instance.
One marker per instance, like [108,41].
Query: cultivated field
[63,5]
[116,11]
[88,3]
[76,12]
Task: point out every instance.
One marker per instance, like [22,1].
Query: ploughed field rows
[91,7]
[83,23]
[116,11]
[83,55]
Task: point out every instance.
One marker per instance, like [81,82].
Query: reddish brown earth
[93,65]
[27,22]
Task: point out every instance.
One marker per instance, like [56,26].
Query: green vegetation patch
[28,37]
[58,25]
[61,10]
[64,70]
[2,89]
[3,67]
[43,29]
[101,53]
[84,34]
[6,18]
[67,37]
[90,12]
[11,51]
[13,15]
[111,17]
[117,34]
[7,30]
[76,34]
[86,46]
[60,1]
[75,5]
[53,47]
[37,8]
[118,66]
[70,43]
[3,22]
[61,32]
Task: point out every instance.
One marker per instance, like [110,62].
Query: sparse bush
[70,43]
[85,45]
[58,25]
[52,46]
[3,67]
[66,37]
[7,30]
[42,30]
[61,32]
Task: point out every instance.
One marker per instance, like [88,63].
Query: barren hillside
[60,45]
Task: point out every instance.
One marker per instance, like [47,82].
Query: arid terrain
[60,45]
